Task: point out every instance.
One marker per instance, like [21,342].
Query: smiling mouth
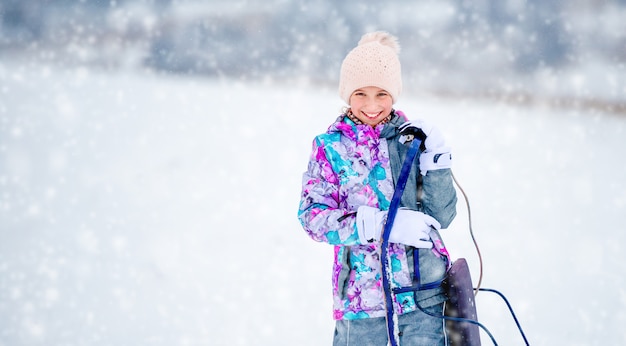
[371,115]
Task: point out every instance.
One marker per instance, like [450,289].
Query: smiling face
[371,105]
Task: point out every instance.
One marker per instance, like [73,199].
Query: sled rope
[384,247]
[461,320]
[471,231]
[478,288]
[386,266]
[510,310]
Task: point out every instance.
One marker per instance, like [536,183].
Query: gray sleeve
[438,196]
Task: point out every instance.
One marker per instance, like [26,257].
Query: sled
[461,320]
[460,306]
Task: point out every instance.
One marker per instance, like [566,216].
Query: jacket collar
[354,131]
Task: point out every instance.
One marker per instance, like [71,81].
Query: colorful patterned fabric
[350,166]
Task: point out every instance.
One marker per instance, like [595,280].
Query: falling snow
[151,154]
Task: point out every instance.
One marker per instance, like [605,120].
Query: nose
[371,105]
[369,101]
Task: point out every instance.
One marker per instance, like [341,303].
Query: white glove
[435,155]
[412,227]
[421,130]
[369,223]
[434,159]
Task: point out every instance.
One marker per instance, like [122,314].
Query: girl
[347,191]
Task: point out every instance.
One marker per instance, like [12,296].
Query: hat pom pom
[383,38]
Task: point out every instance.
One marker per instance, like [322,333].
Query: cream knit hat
[373,62]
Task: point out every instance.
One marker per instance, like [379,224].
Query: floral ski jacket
[353,165]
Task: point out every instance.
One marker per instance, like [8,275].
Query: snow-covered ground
[146,210]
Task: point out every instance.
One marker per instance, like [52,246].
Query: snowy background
[151,154]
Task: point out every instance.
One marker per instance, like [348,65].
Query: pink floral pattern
[349,167]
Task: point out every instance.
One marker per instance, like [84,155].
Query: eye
[359,93]
[382,94]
